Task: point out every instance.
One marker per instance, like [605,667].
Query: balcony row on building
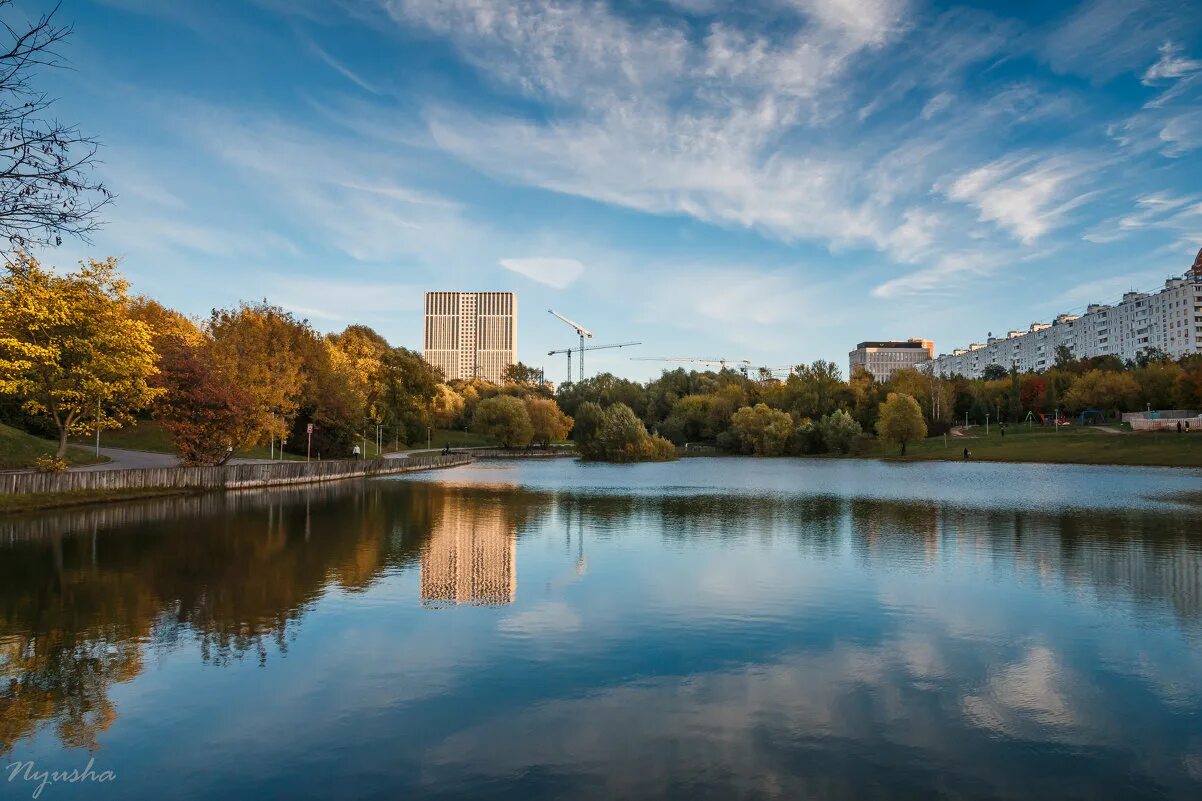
[1168,320]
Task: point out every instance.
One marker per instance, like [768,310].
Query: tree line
[80,353]
[815,410]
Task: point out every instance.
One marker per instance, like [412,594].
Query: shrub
[49,464]
[806,440]
[838,431]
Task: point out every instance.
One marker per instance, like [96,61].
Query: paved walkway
[122,459]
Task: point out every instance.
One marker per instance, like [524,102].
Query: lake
[711,628]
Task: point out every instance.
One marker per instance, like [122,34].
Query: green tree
[994,372]
[621,431]
[900,421]
[522,375]
[585,428]
[503,419]
[839,431]
[811,391]
[70,350]
[762,430]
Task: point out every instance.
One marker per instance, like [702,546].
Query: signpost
[309,446]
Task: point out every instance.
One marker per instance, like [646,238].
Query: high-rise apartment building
[471,334]
[883,359]
[1169,320]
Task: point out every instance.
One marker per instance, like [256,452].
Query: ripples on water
[713,628]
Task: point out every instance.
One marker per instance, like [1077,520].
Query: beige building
[471,334]
[883,359]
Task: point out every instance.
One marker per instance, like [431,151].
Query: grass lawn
[146,435]
[18,450]
[1068,446]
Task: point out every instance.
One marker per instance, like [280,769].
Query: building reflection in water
[471,556]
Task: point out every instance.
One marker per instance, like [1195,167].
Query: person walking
[966,454]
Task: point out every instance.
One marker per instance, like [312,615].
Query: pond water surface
[712,628]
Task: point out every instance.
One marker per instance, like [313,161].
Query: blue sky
[772,181]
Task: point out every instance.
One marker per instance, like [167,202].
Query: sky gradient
[773,181]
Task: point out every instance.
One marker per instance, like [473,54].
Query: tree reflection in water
[85,593]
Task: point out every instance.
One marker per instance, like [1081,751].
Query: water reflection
[471,555]
[691,644]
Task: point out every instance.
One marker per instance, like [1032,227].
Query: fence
[267,474]
[1166,424]
[1159,414]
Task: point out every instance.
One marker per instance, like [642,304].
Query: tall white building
[1169,320]
[883,359]
[471,334]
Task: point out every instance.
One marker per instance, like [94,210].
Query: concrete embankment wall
[234,476]
[534,453]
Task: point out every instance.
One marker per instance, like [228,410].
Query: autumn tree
[46,185]
[503,419]
[1104,390]
[261,348]
[200,410]
[548,422]
[70,349]
[447,407]
[899,421]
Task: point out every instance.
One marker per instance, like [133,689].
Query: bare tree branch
[46,184]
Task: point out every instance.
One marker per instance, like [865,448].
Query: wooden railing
[232,476]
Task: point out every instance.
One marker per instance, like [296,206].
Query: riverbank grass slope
[19,450]
[1069,445]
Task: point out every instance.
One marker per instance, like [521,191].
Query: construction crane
[569,352]
[582,332]
[742,365]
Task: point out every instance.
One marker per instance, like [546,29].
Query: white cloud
[1156,210]
[544,619]
[1103,38]
[944,275]
[340,68]
[1171,65]
[558,273]
[1027,196]
[937,104]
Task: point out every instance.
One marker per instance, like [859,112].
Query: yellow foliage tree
[261,349]
[547,420]
[900,420]
[447,406]
[70,349]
